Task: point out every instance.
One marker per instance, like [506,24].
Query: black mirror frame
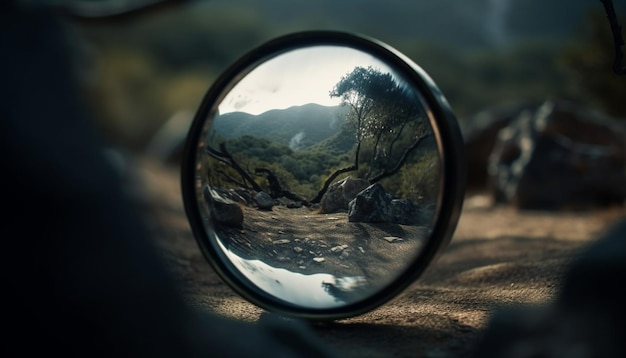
[451,151]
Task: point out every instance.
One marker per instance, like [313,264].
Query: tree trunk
[387,173]
[334,175]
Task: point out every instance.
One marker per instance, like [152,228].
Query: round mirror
[322,174]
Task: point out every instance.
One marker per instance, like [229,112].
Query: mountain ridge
[298,127]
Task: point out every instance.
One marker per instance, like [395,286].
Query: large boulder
[375,205]
[221,209]
[480,133]
[264,201]
[340,193]
[559,156]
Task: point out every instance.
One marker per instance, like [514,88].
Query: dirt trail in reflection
[304,241]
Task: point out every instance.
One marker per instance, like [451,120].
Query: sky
[295,78]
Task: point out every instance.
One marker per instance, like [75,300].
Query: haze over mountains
[297,127]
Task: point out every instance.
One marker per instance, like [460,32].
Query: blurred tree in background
[486,54]
[589,62]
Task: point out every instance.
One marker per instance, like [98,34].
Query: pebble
[280,242]
[339,248]
[298,249]
[319,259]
[392,238]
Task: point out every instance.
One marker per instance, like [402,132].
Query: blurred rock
[559,156]
[586,319]
[480,137]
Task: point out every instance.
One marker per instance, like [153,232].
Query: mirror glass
[318,175]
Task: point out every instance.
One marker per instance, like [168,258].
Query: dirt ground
[498,257]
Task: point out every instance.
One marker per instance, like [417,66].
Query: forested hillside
[297,127]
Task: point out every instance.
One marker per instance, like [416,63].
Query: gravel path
[498,257]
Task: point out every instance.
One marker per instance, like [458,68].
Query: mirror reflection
[319,175]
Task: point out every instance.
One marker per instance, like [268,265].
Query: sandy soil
[497,257]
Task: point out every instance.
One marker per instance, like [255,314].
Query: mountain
[298,126]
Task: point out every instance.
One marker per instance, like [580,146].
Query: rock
[372,205]
[319,259]
[340,194]
[298,249]
[280,242]
[392,238]
[375,205]
[405,212]
[559,156]
[264,200]
[339,248]
[291,204]
[223,210]
[480,136]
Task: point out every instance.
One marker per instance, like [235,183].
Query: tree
[385,116]
[589,61]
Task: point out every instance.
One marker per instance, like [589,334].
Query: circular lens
[323,172]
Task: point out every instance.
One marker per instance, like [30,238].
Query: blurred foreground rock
[586,320]
[554,156]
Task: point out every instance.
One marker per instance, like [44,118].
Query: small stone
[344,254]
[297,249]
[302,267]
[280,232]
[392,238]
[339,248]
[281,242]
[319,259]
[361,249]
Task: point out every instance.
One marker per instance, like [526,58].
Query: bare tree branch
[225,157]
[232,180]
[618,40]
[334,175]
[400,163]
